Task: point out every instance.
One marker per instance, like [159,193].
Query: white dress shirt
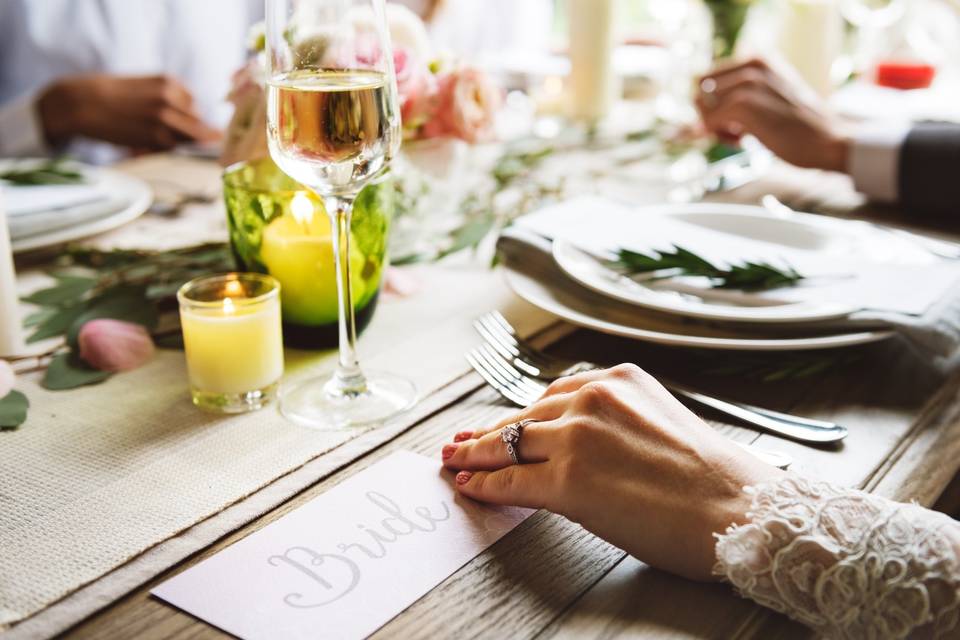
[874,162]
[200,42]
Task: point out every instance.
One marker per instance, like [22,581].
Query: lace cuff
[848,564]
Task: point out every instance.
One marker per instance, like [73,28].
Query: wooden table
[550,578]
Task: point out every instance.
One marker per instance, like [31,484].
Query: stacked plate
[859,279]
[49,215]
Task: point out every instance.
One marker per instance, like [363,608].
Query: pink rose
[7,378]
[113,345]
[416,87]
[246,137]
[467,104]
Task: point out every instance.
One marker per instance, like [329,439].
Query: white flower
[407,30]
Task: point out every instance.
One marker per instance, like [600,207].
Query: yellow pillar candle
[233,340]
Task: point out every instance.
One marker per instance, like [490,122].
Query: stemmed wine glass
[333,124]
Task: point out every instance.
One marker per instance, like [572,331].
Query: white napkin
[39,222]
[25,200]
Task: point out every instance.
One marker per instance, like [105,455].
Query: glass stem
[348,379]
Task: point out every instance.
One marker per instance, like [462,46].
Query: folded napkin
[919,301]
[26,200]
[40,222]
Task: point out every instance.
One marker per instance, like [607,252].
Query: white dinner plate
[133,195]
[806,232]
[585,308]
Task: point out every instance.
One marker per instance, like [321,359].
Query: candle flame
[228,306]
[302,208]
[233,288]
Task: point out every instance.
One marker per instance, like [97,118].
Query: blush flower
[467,104]
[7,378]
[246,137]
[114,345]
[416,87]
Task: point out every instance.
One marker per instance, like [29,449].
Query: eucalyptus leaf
[46,172]
[39,317]
[67,291]
[470,235]
[169,341]
[13,410]
[57,324]
[66,371]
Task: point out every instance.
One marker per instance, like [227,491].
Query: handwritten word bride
[341,572]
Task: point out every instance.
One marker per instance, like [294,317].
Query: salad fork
[523,367]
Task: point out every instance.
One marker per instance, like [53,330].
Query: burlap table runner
[97,476]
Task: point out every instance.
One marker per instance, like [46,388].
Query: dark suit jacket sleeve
[929,179]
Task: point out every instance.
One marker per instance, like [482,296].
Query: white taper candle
[11,335]
[593,83]
[811,39]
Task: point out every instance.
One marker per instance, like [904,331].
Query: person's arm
[888,161]
[846,563]
[614,451]
[149,112]
[929,166]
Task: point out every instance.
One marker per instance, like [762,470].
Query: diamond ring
[708,92]
[511,435]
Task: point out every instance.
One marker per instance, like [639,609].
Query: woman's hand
[614,451]
[784,114]
[149,112]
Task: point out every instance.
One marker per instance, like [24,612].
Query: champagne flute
[333,124]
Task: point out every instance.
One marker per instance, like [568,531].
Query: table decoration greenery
[50,172]
[747,276]
[729,16]
[134,287]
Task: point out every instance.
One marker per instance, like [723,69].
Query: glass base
[310,404]
[235,402]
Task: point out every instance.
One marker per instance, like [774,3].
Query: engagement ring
[511,435]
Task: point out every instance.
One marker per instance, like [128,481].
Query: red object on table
[905,75]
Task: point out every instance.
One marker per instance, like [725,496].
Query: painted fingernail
[463,435]
[448,451]
[464,477]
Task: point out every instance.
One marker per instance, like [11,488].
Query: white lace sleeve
[848,564]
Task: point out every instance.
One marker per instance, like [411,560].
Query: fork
[523,367]
[524,391]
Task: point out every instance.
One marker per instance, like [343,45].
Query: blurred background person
[138,74]
[99,78]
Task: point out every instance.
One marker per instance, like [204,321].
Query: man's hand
[782,113]
[144,112]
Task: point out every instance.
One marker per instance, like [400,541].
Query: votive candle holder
[233,339]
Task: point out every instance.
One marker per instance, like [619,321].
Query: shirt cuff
[21,133]
[875,160]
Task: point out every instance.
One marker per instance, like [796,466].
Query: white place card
[344,564]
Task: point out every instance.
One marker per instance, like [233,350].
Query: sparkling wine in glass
[333,124]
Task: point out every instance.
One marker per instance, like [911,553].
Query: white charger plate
[585,308]
[799,231]
[135,192]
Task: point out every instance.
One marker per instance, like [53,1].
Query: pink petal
[400,283]
[7,378]
[113,345]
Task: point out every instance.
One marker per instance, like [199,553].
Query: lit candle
[11,336]
[593,84]
[297,249]
[233,340]
[811,39]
